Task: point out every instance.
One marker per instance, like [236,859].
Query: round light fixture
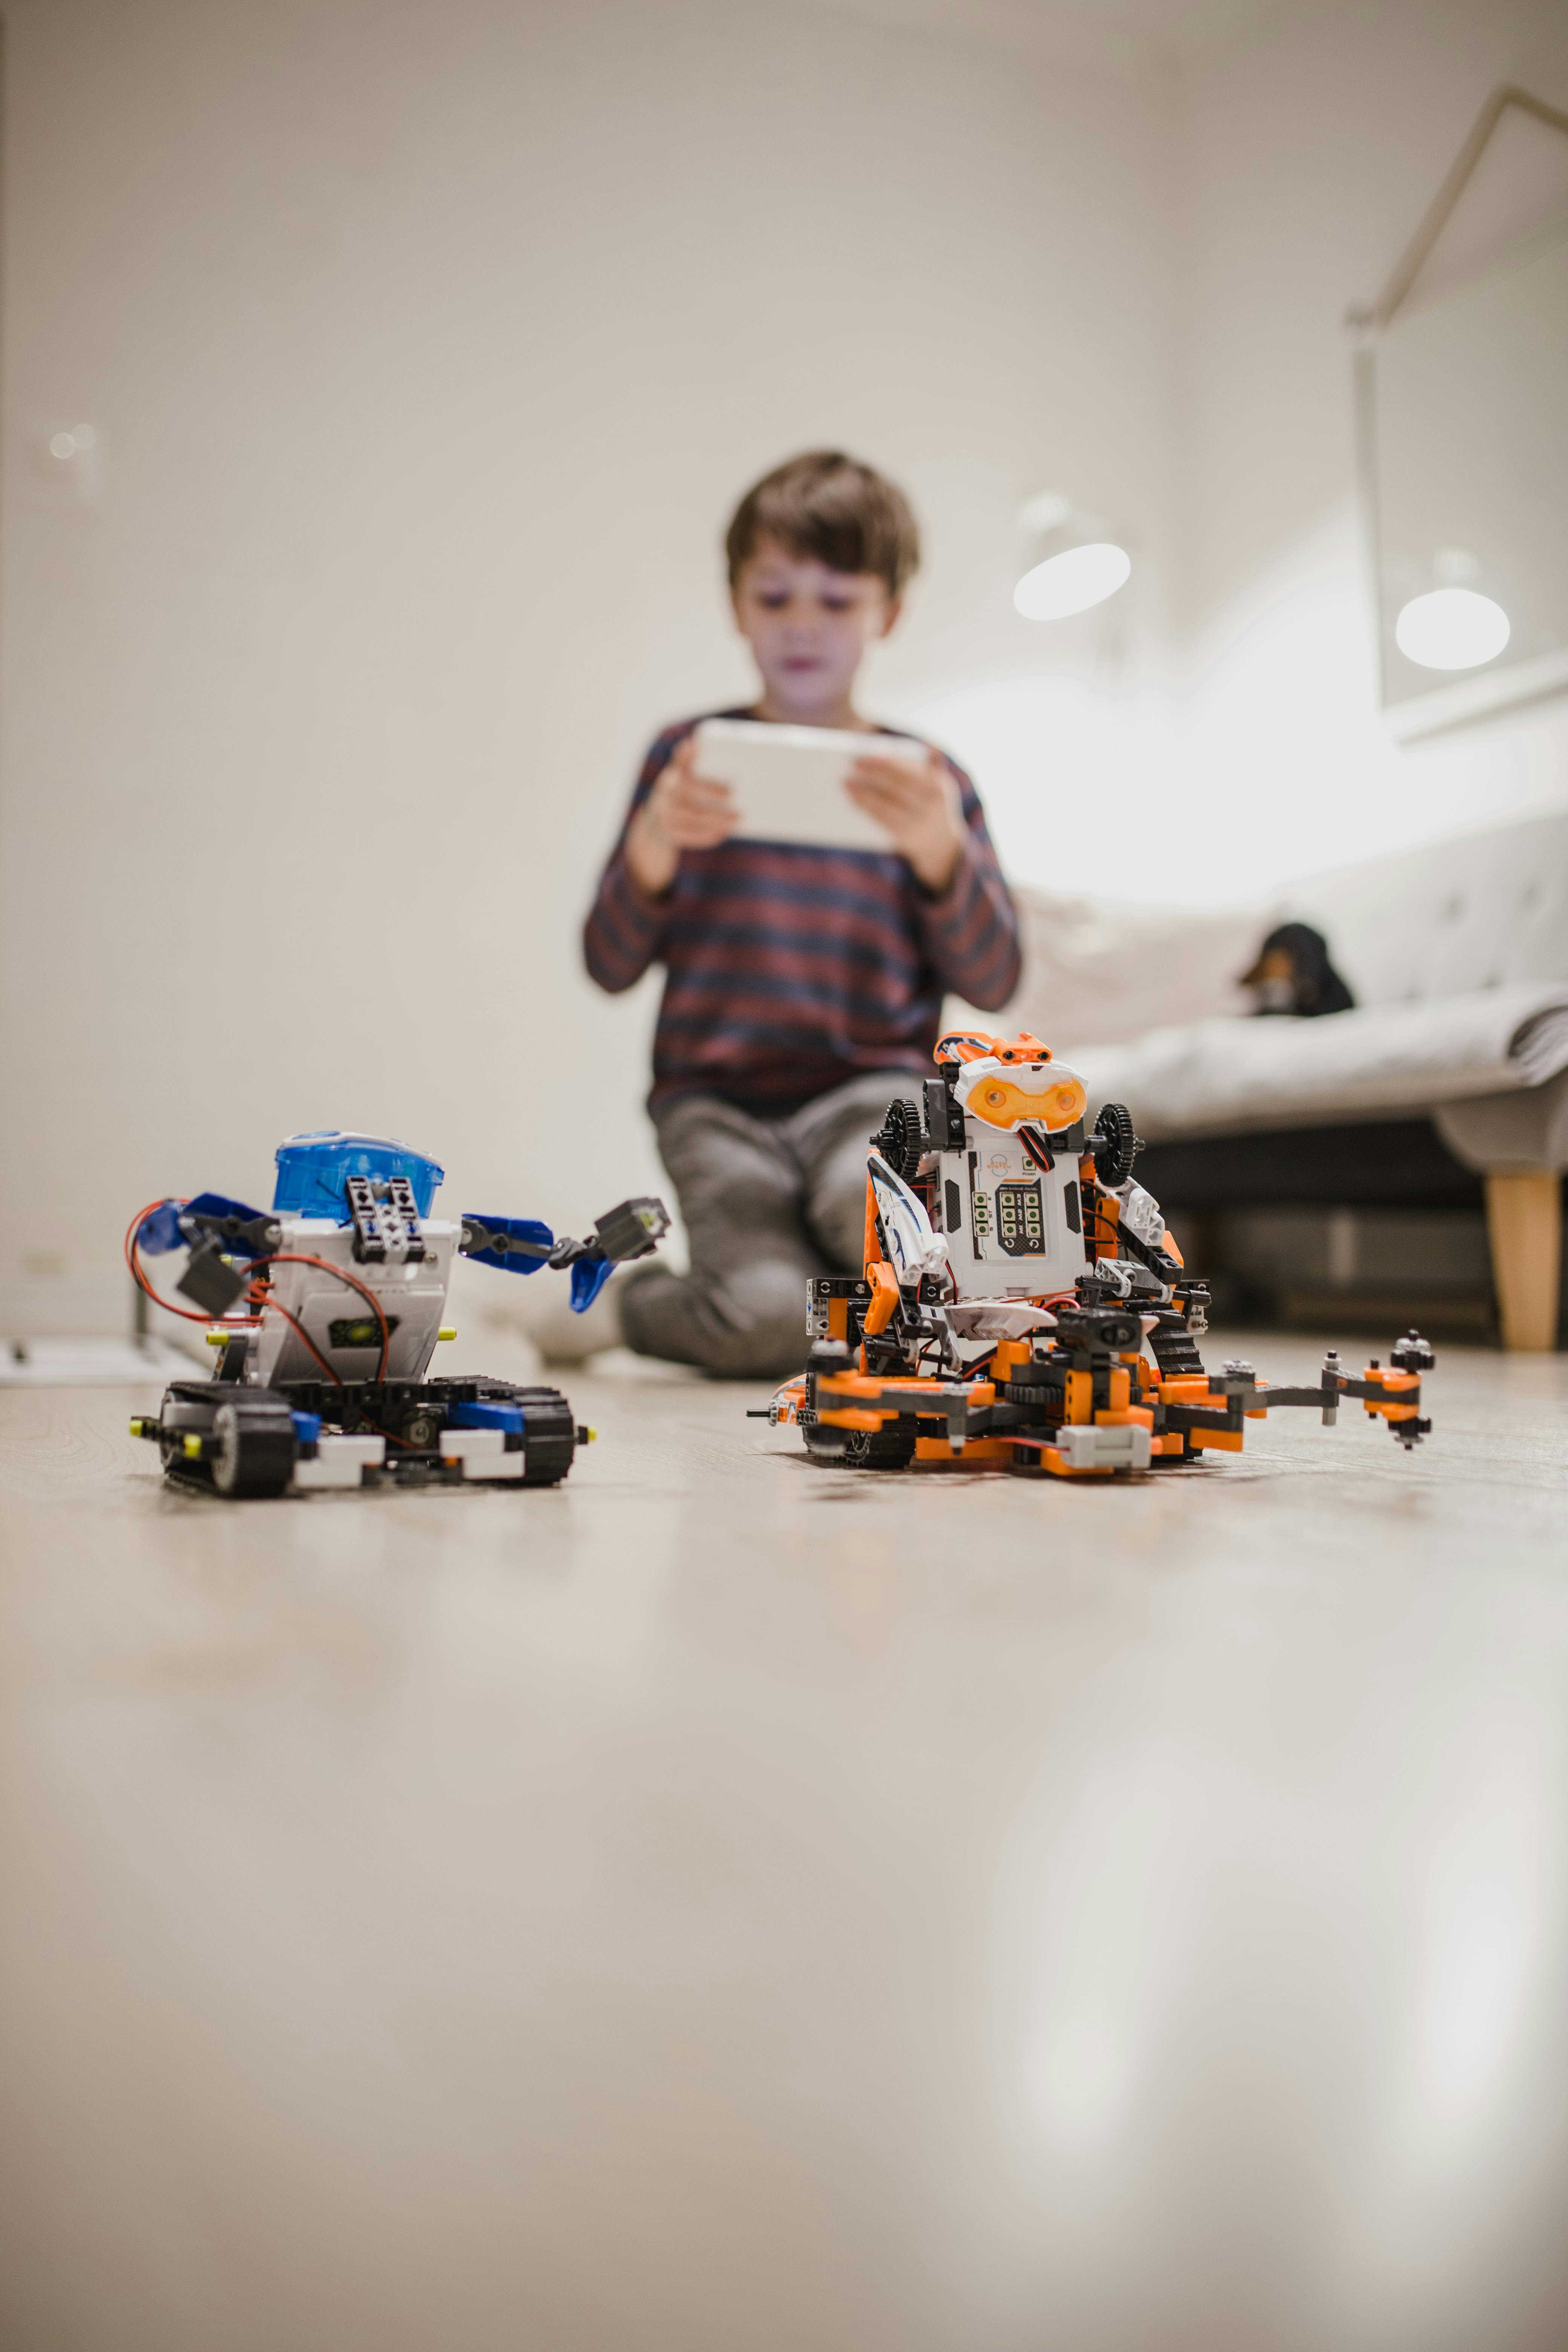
[1072,580]
[1452,628]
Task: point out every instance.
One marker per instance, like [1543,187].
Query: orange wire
[299,1330]
[139,1272]
[274,1257]
[299,1257]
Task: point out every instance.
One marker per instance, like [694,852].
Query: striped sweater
[789,969]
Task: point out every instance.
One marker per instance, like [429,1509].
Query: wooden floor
[722,1905]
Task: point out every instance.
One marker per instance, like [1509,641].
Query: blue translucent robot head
[313,1171]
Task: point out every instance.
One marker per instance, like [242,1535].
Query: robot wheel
[253,1438]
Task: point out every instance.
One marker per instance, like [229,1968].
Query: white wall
[425,351]
[1309,148]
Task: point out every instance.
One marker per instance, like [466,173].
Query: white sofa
[1457,954]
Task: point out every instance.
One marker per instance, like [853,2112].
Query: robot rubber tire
[253,1437]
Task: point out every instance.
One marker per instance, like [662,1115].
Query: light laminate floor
[722,1905]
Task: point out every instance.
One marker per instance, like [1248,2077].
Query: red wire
[262,1296]
[336,1378]
[299,1328]
[274,1257]
[139,1273]
[298,1257]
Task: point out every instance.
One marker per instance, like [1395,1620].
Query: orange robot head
[974,1045]
[1012,1082]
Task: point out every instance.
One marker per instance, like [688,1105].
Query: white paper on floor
[92,1363]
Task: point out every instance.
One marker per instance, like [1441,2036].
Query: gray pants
[767,1202]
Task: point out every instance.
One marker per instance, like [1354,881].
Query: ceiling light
[1076,579]
[1451,628]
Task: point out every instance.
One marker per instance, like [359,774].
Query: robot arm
[215,1229]
[521,1245]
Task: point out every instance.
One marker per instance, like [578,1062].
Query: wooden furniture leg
[1524,1221]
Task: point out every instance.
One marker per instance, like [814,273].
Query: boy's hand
[919,807]
[684,811]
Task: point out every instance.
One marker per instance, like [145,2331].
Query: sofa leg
[1524,1221]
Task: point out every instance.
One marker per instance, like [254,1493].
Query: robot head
[976,1045]
[1012,1082]
[314,1171]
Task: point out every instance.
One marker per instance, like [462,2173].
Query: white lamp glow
[1451,628]
[1072,580]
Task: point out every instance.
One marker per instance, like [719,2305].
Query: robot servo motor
[326,1310]
[1023,1303]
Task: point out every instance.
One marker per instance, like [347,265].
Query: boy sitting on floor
[804,985]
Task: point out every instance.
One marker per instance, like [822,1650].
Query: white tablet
[789,780]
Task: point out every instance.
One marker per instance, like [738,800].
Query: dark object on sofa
[1293,974]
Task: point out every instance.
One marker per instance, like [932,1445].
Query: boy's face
[808,627]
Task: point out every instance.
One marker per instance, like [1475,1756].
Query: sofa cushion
[1207,1077]
[1100,969]
[1484,910]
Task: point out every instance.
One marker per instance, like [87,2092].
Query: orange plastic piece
[907,1392]
[1207,1441]
[1080,1396]
[884,1285]
[978,1046]
[978,1449]
[1168,1244]
[1396,1403]
[998,1102]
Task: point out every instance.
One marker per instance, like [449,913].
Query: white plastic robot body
[412,1294]
[1013,1228]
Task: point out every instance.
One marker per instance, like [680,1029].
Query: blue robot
[326,1308]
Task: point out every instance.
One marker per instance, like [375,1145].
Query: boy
[804,986]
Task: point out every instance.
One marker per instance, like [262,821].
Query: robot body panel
[1007,1200]
[412,1293]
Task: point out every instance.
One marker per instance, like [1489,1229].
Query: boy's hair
[830,507]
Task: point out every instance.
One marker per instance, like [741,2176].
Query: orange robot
[1023,1302]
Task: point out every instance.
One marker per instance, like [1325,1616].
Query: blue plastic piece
[219,1204]
[307,1427]
[314,1171]
[522,1229]
[485,1416]
[160,1229]
[589,1276]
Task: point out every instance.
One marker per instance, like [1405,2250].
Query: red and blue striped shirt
[789,969]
